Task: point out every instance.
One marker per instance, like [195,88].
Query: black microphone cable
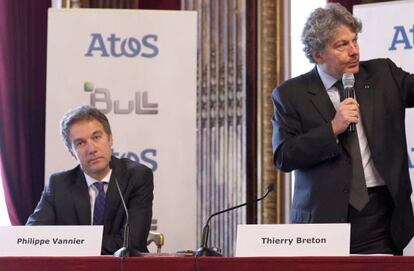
[204,250]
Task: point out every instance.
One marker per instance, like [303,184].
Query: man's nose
[91,147]
[353,48]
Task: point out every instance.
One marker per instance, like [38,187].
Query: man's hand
[348,112]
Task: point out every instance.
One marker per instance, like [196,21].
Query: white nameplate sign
[50,240]
[293,240]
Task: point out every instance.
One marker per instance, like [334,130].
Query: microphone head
[270,187]
[348,80]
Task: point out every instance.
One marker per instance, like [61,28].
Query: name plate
[293,240]
[50,240]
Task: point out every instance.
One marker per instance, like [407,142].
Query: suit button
[346,191]
[343,219]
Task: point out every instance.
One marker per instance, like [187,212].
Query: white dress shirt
[372,177]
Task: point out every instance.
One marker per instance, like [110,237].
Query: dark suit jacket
[303,141]
[65,201]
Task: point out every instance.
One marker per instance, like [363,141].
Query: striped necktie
[99,208]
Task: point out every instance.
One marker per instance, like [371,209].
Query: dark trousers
[370,227]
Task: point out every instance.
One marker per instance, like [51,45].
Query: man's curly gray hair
[322,25]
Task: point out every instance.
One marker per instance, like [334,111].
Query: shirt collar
[327,80]
[90,181]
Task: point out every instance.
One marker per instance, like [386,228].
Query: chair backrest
[157,238]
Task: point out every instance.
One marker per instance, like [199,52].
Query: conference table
[190,263]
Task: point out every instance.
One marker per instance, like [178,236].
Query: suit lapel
[365,96]
[364,92]
[319,96]
[80,195]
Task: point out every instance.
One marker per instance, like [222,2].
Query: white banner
[387,31]
[139,68]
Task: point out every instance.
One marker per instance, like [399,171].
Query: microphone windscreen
[348,80]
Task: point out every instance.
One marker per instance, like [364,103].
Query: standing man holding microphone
[349,153]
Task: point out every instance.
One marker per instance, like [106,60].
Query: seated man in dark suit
[87,194]
[360,175]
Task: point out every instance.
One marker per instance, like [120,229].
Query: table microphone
[125,250]
[348,80]
[206,251]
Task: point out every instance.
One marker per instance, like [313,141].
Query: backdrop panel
[139,68]
[387,31]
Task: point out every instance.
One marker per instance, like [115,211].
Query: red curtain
[347,3]
[160,4]
[350,3]
[23,35]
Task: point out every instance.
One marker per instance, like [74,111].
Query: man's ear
[71,153]
[318,57]
[111,141]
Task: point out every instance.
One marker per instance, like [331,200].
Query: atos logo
[401,38]
[117,47]
[146,157]
[101,99]
[411,158]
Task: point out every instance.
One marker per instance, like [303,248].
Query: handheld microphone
[206,251]
[125,250]
[348,80]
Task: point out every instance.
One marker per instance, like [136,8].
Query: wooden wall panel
[272,53]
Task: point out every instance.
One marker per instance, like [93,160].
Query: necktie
[341,90]
[358,196]
[99,208]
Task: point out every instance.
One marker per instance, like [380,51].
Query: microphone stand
[208,251]
[125,250]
